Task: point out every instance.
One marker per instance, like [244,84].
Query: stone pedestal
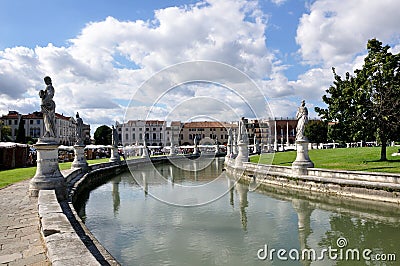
[145,152]
[243,154]
[172,151]
[80,159]
[48,175]
[196,150]
[114,155]
[302,161]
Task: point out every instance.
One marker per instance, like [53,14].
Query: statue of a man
[302,120]
[114,136]
[79,127]
[242,131]
[48,108]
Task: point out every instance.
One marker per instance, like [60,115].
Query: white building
[135,132]
[34,126]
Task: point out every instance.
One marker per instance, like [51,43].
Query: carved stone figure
[79,127]
[48,107]
[114,140]
[242,131]
[302,120]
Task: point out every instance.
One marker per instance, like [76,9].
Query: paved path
[20,239]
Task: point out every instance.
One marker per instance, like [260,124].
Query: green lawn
[356,159]
[8,177]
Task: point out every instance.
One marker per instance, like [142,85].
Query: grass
[355,159]
[8,177]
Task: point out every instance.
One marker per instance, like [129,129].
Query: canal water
[142,219]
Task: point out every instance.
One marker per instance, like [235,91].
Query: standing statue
[79,128]
[242,131]
[302,120]
[114,141]
[48,108]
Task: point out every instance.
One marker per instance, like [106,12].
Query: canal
[192,213]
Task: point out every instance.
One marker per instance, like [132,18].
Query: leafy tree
[102,135]
[367,105]
[317,131]
[6,133]
[21,132]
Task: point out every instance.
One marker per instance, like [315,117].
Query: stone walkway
[20,239]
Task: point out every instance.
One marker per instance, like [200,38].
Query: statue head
[77,115]
[47,80]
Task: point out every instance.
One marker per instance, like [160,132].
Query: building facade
[136,132]
[34,126]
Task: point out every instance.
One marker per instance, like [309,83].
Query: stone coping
[67,239]
[383,187]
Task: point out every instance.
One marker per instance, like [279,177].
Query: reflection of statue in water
[302,120]
[48,108]
[79,127]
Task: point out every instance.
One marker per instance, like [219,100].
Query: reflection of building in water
[242,191]
[304,211]
[115,194]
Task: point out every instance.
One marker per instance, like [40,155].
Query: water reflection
[138,229]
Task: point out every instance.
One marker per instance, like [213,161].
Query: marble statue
[242,131]
[48,107]
[302,120]
[79,128]
[114,141]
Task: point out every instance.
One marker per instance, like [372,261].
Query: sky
[184,60]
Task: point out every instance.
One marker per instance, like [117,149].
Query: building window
[133,129]
[126,137]
[9,122]
[126,129]
[140,136]
[190,136]
[37,122]
[146,136]
[154,129]
[140,129]
[133,136]
[15,122]
[147,129]
[154,136]
[31,122]
[160,135]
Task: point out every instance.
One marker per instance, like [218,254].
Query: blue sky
[100,52]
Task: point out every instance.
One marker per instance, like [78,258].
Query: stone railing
[355,184]
[67,239]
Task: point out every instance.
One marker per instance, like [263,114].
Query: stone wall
[383,187]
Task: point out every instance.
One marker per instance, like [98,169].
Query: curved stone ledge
[384,187]
[67,239]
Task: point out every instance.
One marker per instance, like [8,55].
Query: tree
[102,135]
[21,132]
[6,133]
[316,131]
[367,105]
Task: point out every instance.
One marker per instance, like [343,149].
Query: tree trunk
[383,151]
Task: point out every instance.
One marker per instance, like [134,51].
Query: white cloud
[333,33]
[106,63]
[278,2]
